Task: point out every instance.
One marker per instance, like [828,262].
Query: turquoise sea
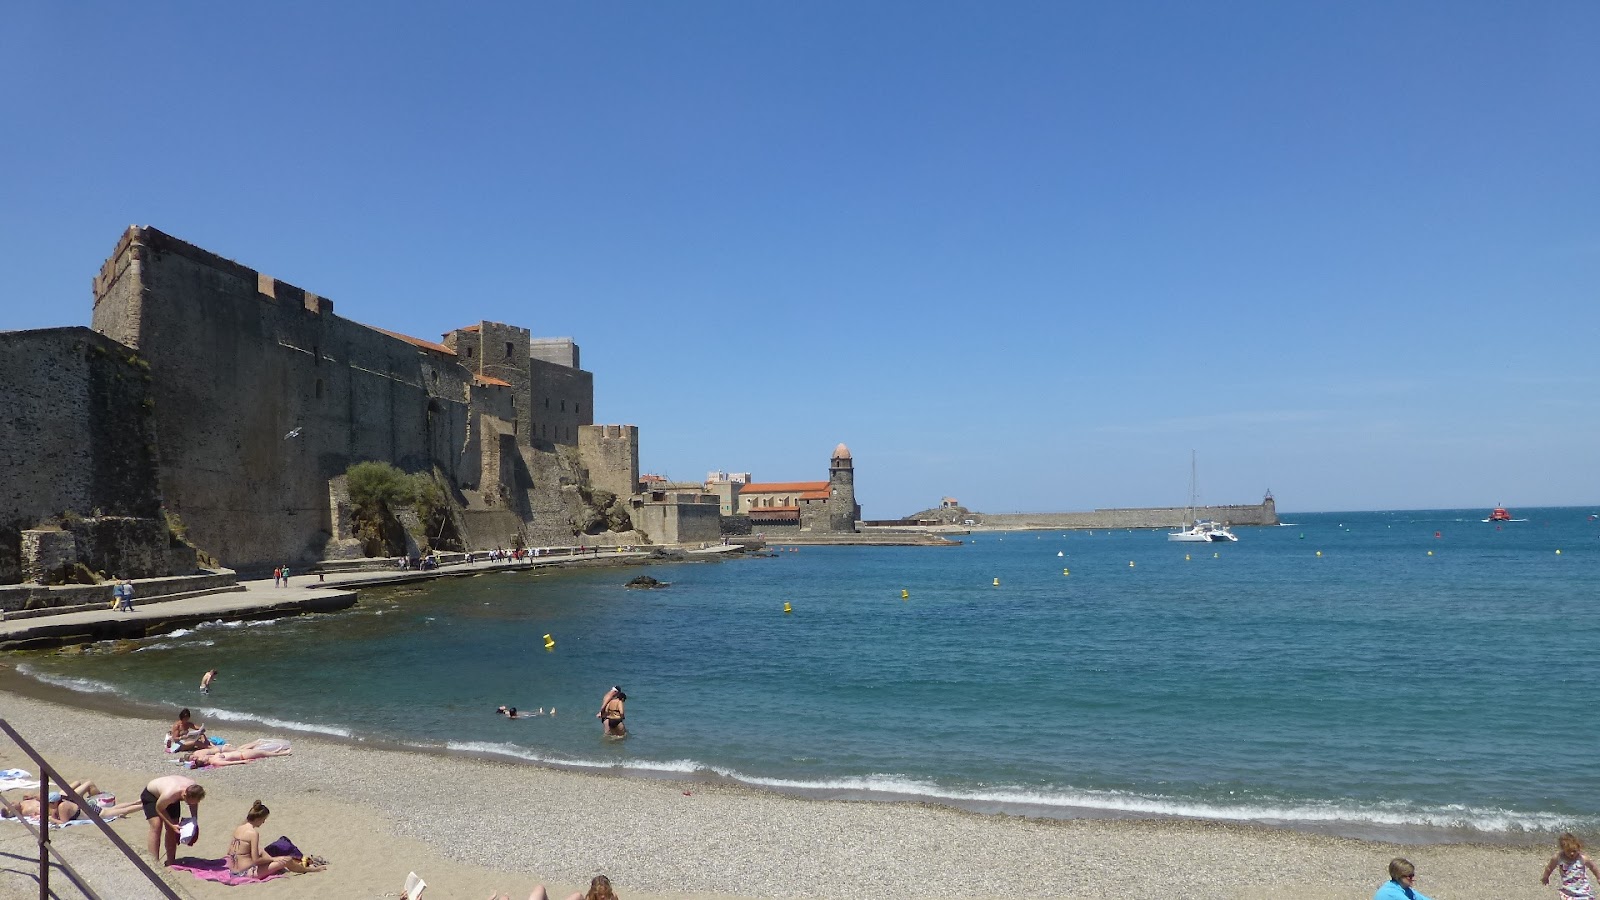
[1427,676]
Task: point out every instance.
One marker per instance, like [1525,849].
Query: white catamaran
[1201,532]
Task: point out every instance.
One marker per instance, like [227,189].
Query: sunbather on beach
[160,800]
[228,755]
[599,889]
[62,810]
[245,859]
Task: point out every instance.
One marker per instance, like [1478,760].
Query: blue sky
[1028,255]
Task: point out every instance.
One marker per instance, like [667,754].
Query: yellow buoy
[1066,571]
[1130,563]
[1216,556]
[549,642]
[905,594]
[1430,552]
[1186,557]
[1558,552]
[997,582]
[1319,552]
[787,608]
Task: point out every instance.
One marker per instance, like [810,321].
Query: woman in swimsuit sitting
[245,859]
[236,756]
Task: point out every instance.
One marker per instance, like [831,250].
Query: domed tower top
[841,452]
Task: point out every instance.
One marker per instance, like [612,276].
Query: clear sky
[1027,255]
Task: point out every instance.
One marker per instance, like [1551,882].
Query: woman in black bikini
[245,859]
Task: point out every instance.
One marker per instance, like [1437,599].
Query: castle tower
[842,509]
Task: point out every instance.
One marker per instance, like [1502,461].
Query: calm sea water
[1372,687]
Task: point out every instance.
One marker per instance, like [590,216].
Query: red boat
[1499,515]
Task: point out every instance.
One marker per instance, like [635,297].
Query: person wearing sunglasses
[1401,883]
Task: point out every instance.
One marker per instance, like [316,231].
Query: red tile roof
[490,379]
[785,487]
[416,342]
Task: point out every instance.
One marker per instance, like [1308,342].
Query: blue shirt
[1394,890]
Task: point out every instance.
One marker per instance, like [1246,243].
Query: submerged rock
[645,581]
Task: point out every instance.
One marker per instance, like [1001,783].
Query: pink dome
[841,452]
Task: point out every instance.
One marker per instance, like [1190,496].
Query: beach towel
[80,820]
[217,870]
[11,779]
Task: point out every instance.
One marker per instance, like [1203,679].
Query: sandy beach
[471,827]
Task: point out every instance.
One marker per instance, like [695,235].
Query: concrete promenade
[259,599]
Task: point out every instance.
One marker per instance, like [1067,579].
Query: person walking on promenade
[286,575]
[1402,875]
[277,577]
[1575,870]
[160,800]
[125,603]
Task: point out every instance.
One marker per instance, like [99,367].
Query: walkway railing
[48,774]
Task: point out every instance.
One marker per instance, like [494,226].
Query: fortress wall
[79,437]
[241,360]
[678,522]
[611,454]
[502,352]
[562,400]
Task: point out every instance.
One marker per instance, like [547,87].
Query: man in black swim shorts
[160,800]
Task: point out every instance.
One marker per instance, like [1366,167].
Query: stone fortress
[212,407]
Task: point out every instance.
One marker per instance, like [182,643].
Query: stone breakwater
[1154,517]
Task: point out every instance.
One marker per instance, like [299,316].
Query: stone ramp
[251,602]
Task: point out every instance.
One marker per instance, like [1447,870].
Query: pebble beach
[471,827]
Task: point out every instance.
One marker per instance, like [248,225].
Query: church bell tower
[842,509]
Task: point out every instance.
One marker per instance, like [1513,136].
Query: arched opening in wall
[563,406]
[435,378]
[319,388]
[316,354]
[577,408]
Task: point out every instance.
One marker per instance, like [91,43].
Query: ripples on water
[1375,685]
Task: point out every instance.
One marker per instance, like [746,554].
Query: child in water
[1575,870]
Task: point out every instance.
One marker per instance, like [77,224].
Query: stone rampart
[611,455]
[1156,517]
[79,438]
[680,519]
[262,395]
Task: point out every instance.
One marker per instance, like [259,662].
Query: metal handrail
[47,774]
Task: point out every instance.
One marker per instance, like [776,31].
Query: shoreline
[18,684]
[469,824]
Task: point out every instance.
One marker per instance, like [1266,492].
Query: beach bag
[282,847]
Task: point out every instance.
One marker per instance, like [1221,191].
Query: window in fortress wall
[510,349]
